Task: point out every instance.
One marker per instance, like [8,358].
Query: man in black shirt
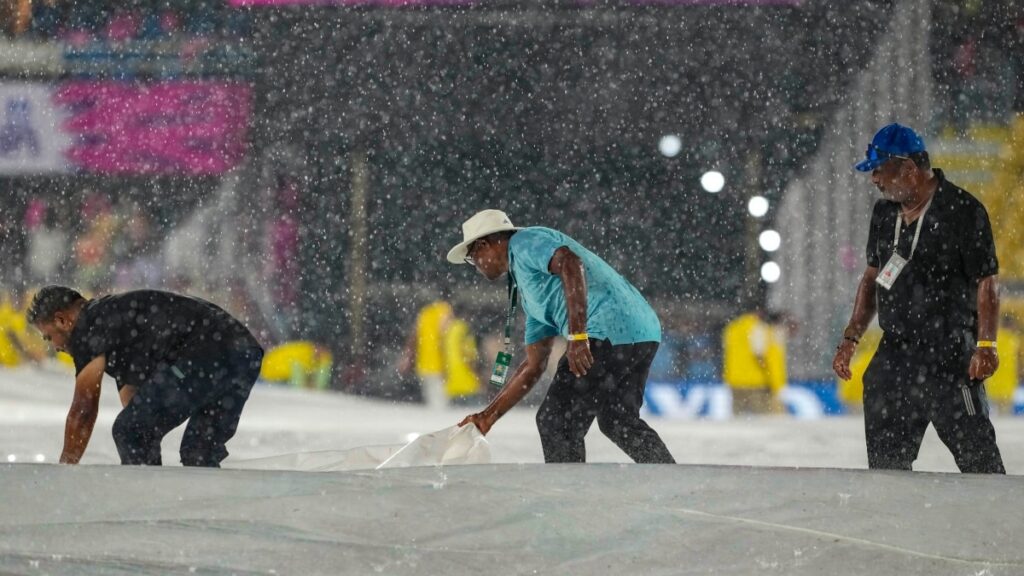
[931,277]
[174,358]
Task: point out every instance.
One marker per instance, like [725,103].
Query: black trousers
[209,393]
[909,385]
[612,392]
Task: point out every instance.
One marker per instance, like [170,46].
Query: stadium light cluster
[713,182]
[769,240]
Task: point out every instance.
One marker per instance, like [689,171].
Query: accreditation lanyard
[892,269]
[504,359]
[510,317]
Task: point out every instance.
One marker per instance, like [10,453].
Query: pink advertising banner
[188,127]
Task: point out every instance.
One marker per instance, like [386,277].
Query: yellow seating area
[1007,208]
[301,363]
[988,161]
[18,342]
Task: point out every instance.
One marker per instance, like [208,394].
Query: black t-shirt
[141,330]
[935,297]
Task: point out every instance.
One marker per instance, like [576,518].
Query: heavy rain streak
[515,286]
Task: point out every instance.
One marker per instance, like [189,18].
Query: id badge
[891,271]
[500,372]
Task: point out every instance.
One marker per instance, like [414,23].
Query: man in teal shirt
[612,334]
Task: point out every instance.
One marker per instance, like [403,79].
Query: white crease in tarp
[449,446]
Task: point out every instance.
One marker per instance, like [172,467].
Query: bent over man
[611,330]
[931,277]
[174,358]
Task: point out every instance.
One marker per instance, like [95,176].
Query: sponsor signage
[31,137]
[188,127]
[683,400]
[174,127]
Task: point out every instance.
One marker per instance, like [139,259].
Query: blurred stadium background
[307,164]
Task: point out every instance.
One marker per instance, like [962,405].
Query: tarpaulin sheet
[449,446]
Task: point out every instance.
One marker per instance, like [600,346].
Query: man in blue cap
[932,279]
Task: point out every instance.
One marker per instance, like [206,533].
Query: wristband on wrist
[579,336]
[986,343]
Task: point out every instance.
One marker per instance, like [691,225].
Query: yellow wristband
[580,336]
[986,343]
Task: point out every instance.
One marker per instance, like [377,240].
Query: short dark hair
[50,300]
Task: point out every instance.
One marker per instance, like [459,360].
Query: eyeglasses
[874,154]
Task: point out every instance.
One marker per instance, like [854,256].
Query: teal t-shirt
[615,309]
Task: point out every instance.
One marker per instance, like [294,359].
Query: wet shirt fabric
[935,296]
[144,331]
[616,311]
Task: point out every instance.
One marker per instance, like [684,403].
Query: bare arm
[522,381]
[985,361]
[568,266]
[84,407]
[864,308]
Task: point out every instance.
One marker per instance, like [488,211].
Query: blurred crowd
[135,39]
[88,21]
[116,240]
[979,61]
[99,245]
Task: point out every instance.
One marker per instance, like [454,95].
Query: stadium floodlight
[770,240]
[712,181]
[770,272]
[670,145]
[12,458]
[40,458]
[758,206]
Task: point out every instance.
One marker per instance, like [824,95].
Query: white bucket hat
[479,225]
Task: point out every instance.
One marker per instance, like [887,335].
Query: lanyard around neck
[513,301]
[917,233]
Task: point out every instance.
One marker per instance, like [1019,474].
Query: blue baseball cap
[893,141]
